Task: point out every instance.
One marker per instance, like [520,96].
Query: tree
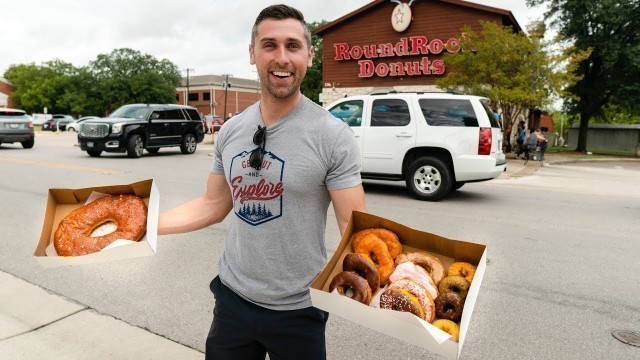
[515,72]
[611,72]
[56,85]
[128,76]
[312,84]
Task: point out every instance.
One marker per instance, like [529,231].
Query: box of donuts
[99,224]
[415,286]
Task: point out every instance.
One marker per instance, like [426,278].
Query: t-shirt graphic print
[257,194]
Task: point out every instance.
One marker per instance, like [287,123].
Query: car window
[193,114]
[133,112]
[173,114]
[349,111]
[158,115]
[448,112]
[493,117]
[390,112]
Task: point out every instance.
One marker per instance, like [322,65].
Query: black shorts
[243,330]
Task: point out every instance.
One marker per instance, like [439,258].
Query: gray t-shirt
[275,245]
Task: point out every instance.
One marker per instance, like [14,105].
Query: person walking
[277,165]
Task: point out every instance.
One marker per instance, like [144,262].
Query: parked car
[75,125]
[136,127]
[213,122]
[435,142]
[16,126]
[57,122]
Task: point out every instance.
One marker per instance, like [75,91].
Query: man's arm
[211,208]
[344,202]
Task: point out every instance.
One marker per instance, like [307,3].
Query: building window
[194,97]
[206,96]
[177,97]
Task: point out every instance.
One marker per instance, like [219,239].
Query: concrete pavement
[37,324]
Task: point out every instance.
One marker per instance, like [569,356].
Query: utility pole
[187,97]
[226,86]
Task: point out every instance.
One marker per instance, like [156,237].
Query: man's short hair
[280,12]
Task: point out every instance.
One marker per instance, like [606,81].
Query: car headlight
[117,128]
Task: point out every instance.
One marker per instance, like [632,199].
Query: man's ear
[311,52]
[252,56]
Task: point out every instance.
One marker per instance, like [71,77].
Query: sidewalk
[36,324]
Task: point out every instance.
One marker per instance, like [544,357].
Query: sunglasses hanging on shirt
[260,139]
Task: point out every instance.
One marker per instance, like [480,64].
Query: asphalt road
[562,248]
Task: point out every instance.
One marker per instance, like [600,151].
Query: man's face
[281,55]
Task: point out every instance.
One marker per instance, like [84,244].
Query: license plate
[90,144]
[13,126]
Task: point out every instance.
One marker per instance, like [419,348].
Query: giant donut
[389,238]
[128,212]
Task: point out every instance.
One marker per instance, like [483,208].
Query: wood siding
[432,19]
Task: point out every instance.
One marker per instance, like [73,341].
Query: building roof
[5,81]
[506,14]
[217,80]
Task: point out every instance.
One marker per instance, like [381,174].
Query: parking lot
[561,241]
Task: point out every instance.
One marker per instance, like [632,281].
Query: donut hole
[348,292]
[104,229]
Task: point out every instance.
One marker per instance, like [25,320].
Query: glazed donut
[429,262]
[73,236]
[349,280]
[463,269]
[371,244]
[419,292]
[401,300]
[411,271]
[449,327]
[456,284]
[363,266]
[449,306]
[389,238]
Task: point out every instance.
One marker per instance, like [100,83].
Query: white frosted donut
[411,271]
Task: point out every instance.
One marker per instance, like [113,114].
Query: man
[277,165]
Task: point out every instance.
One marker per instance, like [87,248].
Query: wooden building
[397,45]
[210,96]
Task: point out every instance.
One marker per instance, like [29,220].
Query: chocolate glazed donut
[363,266]
[449,306]
[349,280]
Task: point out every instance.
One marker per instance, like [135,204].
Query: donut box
[402,325]
[61,202]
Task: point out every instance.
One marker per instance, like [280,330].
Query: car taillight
[30,124]
[484,143]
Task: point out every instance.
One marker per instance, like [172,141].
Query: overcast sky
[209,36]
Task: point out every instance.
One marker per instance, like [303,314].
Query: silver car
[75,125]
[16,126]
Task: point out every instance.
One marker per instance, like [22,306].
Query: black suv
[136,127]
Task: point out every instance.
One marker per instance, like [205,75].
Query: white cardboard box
[403,326]
[61,202]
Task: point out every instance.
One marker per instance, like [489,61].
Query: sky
[208,36]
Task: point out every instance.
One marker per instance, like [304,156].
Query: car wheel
[153,150]
[28,144]
[457,185]
[94,153]
[71,129]
[189,144]
[135,147]
[428,178]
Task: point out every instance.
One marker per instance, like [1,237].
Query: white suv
[436,142]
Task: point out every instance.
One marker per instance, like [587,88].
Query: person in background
[520,135]
[277,165]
